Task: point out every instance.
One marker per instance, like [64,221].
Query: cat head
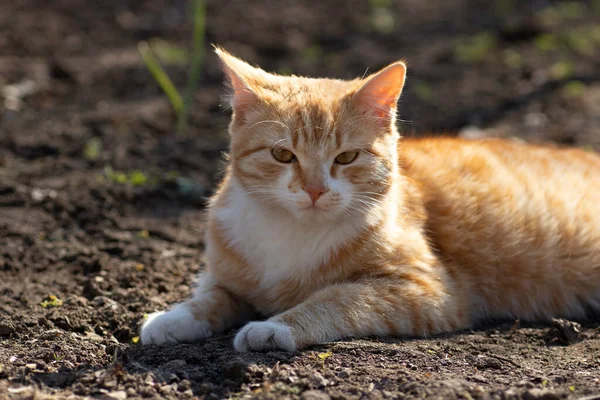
[316,148]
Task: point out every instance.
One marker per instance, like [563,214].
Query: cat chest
[285,272]
[277,272]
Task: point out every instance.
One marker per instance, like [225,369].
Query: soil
[101,204]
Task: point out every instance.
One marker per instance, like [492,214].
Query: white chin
[315,213]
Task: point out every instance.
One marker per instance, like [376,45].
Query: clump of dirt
[102,206]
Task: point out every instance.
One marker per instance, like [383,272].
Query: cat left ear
[240,77]
[380,93]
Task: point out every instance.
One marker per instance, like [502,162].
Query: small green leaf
[423,90]
[51,301]
[574,89]
[92,149]
[562,69]
[168,53]
[138,178]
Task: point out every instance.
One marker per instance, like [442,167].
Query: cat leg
[210,311]
[419,307]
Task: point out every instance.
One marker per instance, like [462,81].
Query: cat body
[330,226]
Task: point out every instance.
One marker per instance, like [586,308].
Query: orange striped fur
[410,237]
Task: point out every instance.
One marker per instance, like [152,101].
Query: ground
[101,204]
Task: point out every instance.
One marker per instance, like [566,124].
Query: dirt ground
[101,205]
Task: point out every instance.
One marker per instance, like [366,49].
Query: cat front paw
[175,326]
[265,335]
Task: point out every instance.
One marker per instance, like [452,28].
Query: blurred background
[80,106]
[78,98]
[523,68]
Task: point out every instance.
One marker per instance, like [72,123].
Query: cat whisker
[368,194]
[268,121]
[276,144]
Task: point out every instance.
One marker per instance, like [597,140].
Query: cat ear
[380,92]
[241,77]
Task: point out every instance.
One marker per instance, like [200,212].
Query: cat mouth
[313,208]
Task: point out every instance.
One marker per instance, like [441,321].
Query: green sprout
[92,149]
[51,301]
[179,103]
[475,48]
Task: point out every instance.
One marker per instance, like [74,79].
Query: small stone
[236,370]
[173,365]
[510,394]
[116,395]
[565,332]
[104,301]
[77,300]
[25,391]
[185,385]
[149,379]
[38,195]
[51,334]
[278,355]
[344,373]
[488,363]
[314,395]
[526,384]
[540,394]
[94,337]
[110,383]
[479,378]
[6,328]
[318,380]
[454,384]
[91,289]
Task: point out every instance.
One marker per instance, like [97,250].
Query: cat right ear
[240,77]
[380,92]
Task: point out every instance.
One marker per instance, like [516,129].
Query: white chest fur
[277,245]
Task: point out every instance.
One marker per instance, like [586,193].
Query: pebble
[479,378]
[104,301]
[6,328]
[318,380]
[236,370]
[116,395]
[314,395]
[51,334]
[93,336]
[173,365]
[277,355]
[566,332]
[540,394]
[344,373]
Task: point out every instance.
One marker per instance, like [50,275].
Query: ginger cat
[331,227]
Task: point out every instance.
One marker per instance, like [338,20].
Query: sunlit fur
[414,237]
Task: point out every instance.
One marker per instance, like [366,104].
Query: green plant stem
[196,64]
[161,77]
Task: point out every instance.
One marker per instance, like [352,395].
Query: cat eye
[346,157]
[283,155]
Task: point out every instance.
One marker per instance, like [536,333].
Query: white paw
[263,336]
[175,326]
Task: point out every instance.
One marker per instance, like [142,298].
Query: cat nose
[315,191]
